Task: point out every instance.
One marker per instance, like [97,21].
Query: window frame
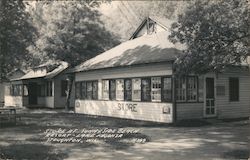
[138,99]
[185,89]
[126,90]
[196,89]
[156,89]
[162,88]
[117,91]
[107,90]
[112,96]
[230,95]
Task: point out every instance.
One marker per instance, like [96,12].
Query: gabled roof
[145,49]
[163,22]
[41,71]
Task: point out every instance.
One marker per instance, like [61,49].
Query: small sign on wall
[220,90]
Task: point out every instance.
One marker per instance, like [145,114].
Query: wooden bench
[8,115]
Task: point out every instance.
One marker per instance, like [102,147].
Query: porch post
[69,79]
[174,95]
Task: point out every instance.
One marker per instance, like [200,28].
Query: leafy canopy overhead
[70,31]
[216,35]
[16,33]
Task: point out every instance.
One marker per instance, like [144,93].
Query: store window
[181,89]
[105,89]
[77,90]
[146,89]
[89,90]
[156,89]
[119,89]
[127,89]
[136,89]
[192,88]
[95,90]
[112,89]
[83,94]
[166,89]
[233,89]
[64,86]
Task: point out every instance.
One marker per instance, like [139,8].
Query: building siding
[227,109]
[133,71]
[189,110]
[146,111]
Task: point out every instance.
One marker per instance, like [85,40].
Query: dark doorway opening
[32,93]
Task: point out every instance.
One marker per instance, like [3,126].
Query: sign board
[148,111]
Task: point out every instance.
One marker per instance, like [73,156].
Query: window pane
[136,89]
[156,88]
[89,90]
[105,89]
[167,89]
[191,88]
[180,89]
[119,89]
[128,90]
[112,89]
[234,89]
[83,93]
[95,90]
[146,89]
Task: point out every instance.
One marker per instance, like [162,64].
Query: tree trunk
[69,89]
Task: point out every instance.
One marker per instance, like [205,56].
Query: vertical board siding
[227,109]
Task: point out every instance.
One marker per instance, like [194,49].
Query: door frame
[205,94]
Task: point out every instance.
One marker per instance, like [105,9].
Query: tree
[16,33]
[70,31]
[216,34]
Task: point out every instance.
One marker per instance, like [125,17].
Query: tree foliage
[216,35]
[16,33]
[70,31]
[129,14]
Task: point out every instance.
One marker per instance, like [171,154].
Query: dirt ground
[29,139]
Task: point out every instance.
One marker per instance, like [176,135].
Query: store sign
[127,107]
[148,111]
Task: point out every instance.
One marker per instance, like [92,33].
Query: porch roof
[43,73]
[145,49]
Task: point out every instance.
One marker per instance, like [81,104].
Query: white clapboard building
[43,86]
[135,80]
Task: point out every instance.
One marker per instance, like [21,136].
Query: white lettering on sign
[127,107]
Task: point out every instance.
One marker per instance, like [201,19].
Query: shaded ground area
[186,140]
